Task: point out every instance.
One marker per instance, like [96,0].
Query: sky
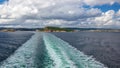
[61,13]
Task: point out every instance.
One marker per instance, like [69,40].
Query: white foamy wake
[51,53]
[66,56]
[24,56]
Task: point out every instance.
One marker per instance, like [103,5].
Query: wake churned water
[45,50]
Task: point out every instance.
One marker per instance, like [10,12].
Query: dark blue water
[10,41]
[44,50]
[104,46]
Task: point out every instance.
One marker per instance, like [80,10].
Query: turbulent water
[104,46]
[45,50]
[10,41]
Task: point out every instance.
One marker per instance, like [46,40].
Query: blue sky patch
[2,1]
[107,7]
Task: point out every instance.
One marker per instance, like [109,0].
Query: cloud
[109,19]
[64,13]
[70,13]
[100,2]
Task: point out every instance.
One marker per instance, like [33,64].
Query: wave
[24,56]
[45,50]
[66,56]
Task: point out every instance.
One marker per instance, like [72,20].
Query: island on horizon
[59,29]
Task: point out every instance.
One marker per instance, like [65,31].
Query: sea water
[104,46]
[45,50]
[10,41]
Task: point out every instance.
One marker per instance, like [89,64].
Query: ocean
[104,46]
[10,41]
[59,50]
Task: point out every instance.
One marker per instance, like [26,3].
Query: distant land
[58,29]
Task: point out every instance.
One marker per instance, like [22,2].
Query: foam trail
[66,56]
[45,50]
[24,56]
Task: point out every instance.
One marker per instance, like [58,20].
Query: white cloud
[100,2]
[108,19]
[40,13]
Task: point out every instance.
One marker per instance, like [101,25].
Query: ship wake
[45,50]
